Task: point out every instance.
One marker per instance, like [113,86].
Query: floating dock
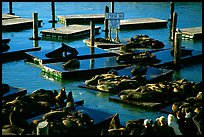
[143,23]
[88,68]
[115,47]
[80,18]
[192,33]
[71,31]
[13,92]
[12,22]
[39,57]
[16,55]
[152,75]
[167,59]
[149,105]
[138,23]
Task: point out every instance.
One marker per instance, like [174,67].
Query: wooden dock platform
[88,68]
[15,23]
[143,23]
[152,75]
[13,92]
[149,105]
[16,55]
[39,57]
[138,23]
[167,59]
[71,31]
[80,19]
[192,33]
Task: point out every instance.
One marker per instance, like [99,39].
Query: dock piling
[112,7]
[10,9]
[106,23]
[92,33]
[35,27]
[171,13]
[173,29]
[53,14]
[177,48]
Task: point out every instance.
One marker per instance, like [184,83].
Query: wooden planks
[71,31]
[142,23]
[192,33]
[11,23]
[80,18]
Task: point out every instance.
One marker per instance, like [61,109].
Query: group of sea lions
[161,91]
[113,83]
[144,58]
[16,113]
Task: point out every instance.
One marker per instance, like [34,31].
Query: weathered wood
[106,23]
[71,31]
[141,23]
[194,33]
[92,32]
[171,13]
[177,48]
[8,16]
[112,7]
[12,23]
[173,28]
[80,18]
[35,26]
[11,9]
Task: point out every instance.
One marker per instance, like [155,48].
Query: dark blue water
[28,76]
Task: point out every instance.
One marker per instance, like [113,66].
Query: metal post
[92,33]
[106,23]
[35,26]
[177,48]
[173,30]
[112,7]
[10,9]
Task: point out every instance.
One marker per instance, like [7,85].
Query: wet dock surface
[88,67]
[71,31]
[80,18]
[13,92]
[193,33]
[84,53]
[12,22]
[142,23]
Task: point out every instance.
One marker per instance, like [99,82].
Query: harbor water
[26,75]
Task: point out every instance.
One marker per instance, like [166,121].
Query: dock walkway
[71,31]
[12,22]
[192,33]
